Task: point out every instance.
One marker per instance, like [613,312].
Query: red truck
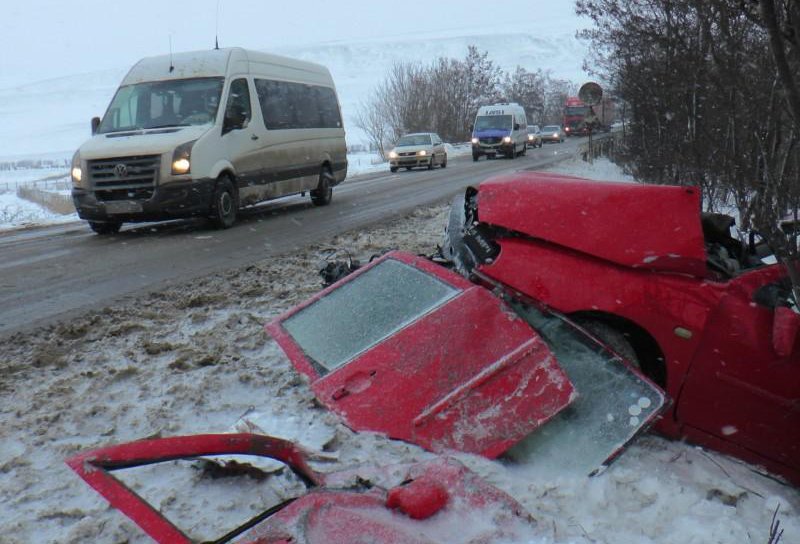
[580,118]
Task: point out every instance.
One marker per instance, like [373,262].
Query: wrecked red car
[410,349]
[438,500]
[666,286]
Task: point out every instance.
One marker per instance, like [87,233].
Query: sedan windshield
[160,104]
[485,122]
[415,139]
[551,129]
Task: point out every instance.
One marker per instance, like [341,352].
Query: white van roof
[504,108]
[221,62]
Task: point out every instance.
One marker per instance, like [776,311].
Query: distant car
[553,134]
[703,314]
[419,149]
[534,136]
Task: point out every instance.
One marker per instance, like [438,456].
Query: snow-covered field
[194,359]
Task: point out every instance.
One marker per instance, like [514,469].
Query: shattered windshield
[613,403]
[160,104]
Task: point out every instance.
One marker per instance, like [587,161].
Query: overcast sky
[40,39]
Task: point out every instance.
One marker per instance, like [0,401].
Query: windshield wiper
[169,125]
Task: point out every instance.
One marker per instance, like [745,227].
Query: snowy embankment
[195,359]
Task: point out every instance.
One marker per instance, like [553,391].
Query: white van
[500,129]
[207,132]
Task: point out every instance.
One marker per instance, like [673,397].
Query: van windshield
[158,104]
[484,122]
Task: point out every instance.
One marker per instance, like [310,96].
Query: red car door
[410,349]
[738,389]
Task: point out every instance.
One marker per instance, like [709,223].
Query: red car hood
[656,227]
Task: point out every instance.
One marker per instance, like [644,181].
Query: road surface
[50,273]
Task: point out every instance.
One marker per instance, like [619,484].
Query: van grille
[490,140]
[124,173]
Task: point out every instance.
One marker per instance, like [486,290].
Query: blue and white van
[500,129]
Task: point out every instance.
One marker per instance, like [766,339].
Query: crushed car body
[411,349]
[433,501]
[671,288]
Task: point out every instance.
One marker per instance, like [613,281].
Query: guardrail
[602,145]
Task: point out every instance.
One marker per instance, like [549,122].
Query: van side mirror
[235,118]
[516,126]
[471,128]
[785,324]
[95,125]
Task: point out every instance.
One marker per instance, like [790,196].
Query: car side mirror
[95,125]
[785,324]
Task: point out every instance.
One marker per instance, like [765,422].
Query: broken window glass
[613,402]
[335,329]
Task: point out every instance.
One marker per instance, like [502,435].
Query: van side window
[237,111]
[286,105]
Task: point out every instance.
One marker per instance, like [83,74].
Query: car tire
[392,169]
[225,204]
[612,337]
[323,194]
[513,154]
[105,227]
[431,162]
[444,162]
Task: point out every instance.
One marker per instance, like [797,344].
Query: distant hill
[50,118]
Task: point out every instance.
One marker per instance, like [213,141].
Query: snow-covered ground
[194,359]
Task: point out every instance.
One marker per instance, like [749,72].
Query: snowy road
[50,273]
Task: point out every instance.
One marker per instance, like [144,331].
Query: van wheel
[110,227]
[444,162]
[393,169]
[513,154]
[323,194]
[430,164]
[224,206]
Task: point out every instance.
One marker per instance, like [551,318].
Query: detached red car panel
[436,501]
[410,349]
[406,348]
[639,265]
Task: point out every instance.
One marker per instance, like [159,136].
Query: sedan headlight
[392,154]
[507,140]
[77,173]
[530,137]
[474,140]
[422,153]
[181,159]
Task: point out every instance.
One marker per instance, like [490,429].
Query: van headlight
[181,158]
[474,140]
[392,154]
[422,153]
[507,140]
[76,172]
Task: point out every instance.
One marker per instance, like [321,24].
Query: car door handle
[254,137]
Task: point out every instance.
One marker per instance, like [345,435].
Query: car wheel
[323,194]
[513,154]
[393,169]
[611,337]
[444,162]
[224,205]
[430,164]
[105,227]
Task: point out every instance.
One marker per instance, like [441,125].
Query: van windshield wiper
[169,125]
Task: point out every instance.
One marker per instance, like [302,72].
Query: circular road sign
[590,93]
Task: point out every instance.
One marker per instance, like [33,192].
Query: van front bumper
[491,149]
[169,201]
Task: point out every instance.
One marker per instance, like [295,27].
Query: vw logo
[121,170]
